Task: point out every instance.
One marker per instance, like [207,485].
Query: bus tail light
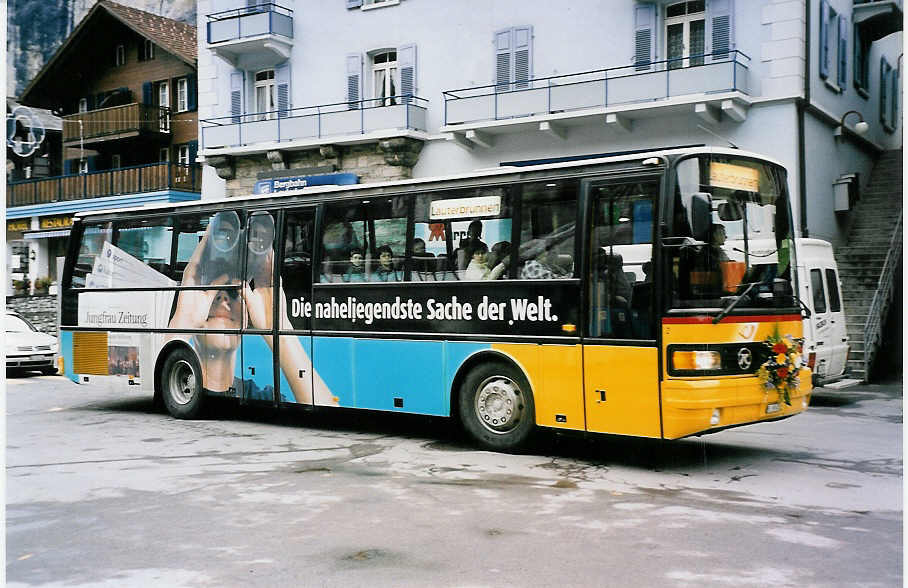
[697,360]
[716,417]
[812,360]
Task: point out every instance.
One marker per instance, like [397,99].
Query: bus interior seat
[443,271]
[565,262]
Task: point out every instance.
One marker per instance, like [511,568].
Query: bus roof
[475,174]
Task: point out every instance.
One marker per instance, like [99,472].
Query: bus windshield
[744,248]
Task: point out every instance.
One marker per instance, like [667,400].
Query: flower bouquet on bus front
[780,371]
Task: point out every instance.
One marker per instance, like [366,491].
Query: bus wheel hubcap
[182,382]
[499,404]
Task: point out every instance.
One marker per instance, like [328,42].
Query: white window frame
[268,85]
[120,55]
[164,155]
[685,21]
[83,104]
[163,93]
[182,95]
[183,155]
[148,49]
[391,78]
[83,166]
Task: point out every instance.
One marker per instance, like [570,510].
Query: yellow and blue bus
[630,295]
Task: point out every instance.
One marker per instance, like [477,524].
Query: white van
[825,333]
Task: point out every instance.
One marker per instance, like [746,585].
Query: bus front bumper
[691,406]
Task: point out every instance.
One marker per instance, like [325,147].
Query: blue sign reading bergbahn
[272,185]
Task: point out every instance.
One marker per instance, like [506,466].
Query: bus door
[620,355]
[296,377]
[258,296]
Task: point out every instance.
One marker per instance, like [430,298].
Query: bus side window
[547,247]
[148,241]
[428,250]
[364,241]
[220,260]
[94,236]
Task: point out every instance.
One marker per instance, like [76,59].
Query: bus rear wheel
[496,407]
[182,385]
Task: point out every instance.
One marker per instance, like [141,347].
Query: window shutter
[354,79]
[192,91]
[92,163]
[503,46]
[193,151]
[406,61]
[720,20]
[236,96]
[824,39]
[147,96]
[67,167]
[644,36]
[354,4]
[884,91]
[842,77]
[523,56]
[282,81]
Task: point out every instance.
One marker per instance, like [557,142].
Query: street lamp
[861,127]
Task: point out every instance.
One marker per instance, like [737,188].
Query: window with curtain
[685,33]
[385,80]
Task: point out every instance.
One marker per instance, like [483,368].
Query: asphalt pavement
[104,490]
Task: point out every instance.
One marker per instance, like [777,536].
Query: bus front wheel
[182,385]
[496,406]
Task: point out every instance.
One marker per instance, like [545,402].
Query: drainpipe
[802,104]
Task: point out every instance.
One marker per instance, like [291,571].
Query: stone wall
[40,310]
[381,161]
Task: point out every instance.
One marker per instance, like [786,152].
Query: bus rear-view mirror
[730,211]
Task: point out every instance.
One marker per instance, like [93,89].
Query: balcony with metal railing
[252,37]
[342,122]
[138,179]
[876,19]
[567,99]
[115,122]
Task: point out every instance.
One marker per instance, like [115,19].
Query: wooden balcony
[116,122]
[131,180]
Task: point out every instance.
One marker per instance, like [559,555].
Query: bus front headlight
[697,360]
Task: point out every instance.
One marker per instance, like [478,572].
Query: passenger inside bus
[385,270]
[464,253]
[479,265]
[423,269]
[356,270]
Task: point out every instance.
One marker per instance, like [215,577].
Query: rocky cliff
[37,28]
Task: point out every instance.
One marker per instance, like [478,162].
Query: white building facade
[372,90]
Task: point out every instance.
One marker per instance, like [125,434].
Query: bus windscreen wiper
[734,302]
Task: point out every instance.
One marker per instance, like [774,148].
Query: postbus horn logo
[24,132]
[745,358]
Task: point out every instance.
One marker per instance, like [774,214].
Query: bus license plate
[772,407]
